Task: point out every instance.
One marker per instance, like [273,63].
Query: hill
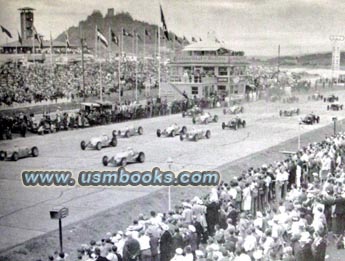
[117,23]
[320,60]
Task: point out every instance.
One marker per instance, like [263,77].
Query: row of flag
[113,36]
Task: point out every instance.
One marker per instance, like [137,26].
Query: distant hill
[116,22]
[321,60]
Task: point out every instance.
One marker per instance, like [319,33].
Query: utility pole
[82,67]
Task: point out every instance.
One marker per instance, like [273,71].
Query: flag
[147,33]
[194,40]
[125,33]
[177,40]
[67,40]
[20,40]
[114,38]
[138,36]
[38,37]
[102,38]
[165,28]
[4,30]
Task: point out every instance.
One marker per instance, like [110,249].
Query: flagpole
[66,44]
[51,59]
[109,46]
[33,48]
[120,58]
[136,69]
[159,65]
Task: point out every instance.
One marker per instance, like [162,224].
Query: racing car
[171,131]
[233,110]
[310,119]
[18,153]
[291,99]
[195,135]
[334,107]
[289,113]
[192,112]
[130,131]
[100,142]
[315,97]
[122,158]
[331,98]
[205,118]
[234,123]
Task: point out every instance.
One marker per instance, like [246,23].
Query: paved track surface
[24,212]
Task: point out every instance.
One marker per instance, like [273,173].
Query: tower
[26,22]
[336,39]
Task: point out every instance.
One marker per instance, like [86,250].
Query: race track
[24,212]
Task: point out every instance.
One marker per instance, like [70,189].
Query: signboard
[59,213]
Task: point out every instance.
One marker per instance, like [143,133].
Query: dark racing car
[331,98]
[289,113]
[334,107]
[310,119]
[234,124]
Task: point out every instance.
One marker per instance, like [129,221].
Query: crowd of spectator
[287,210]
[32,83]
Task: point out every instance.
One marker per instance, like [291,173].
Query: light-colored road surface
[24,212]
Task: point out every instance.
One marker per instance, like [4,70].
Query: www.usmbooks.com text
[121,177]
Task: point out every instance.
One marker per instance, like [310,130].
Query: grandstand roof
[207,45]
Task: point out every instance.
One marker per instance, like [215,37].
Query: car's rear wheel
[181,137]
[140,130]
[159,133]
[113,141]
[114,133]
[196,138]
[123,162]
[34,151]
[208,134]
[99,146]
[105,161]
[127,134]
[244,123]
[184,130]
[223,125]
[141,157]
[83,145]
[15,156]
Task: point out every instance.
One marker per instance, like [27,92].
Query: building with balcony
[209,67]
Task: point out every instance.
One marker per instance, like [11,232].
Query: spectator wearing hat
[131,248]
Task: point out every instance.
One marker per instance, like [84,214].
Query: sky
[254,26]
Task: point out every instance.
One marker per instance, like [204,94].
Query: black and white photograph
[172,130]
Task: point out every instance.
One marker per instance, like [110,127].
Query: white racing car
[172,131]
[205,118]
[130,131]
[195,135]
[100,142]
[18,153]
[122,158]
[235,109]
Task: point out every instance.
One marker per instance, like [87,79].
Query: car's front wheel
[83,145]
[105,161]
[140,130]
[208,134]
[123,162]
[34,151]
[99,146]
[15,156]
[141,157]
[113,142]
